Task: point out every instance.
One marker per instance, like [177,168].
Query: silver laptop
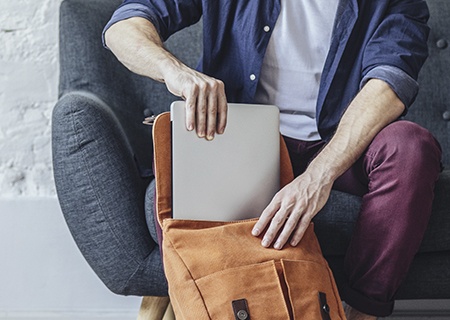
[232,177]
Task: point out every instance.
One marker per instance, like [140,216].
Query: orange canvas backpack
[218,270]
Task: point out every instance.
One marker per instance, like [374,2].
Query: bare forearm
[136,43]
[293,208]
[373,108]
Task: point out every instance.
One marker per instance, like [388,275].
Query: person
[342,73]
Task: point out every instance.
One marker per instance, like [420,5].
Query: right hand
[206,103]
[137,44]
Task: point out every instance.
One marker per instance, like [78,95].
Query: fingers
[222,110]
[211,116]
[284,222]
[300,232]
[266,218]
[285,225]
[191,107]
[201,109]
[287,217]
[206,107]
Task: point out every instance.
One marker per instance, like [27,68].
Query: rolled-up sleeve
[127,11]
[398,48]
[167,17]
[402,83]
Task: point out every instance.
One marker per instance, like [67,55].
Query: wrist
[323,171]
[170,67]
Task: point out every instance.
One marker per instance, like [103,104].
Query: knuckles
[278,220]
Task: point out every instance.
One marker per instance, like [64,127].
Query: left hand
[292,210]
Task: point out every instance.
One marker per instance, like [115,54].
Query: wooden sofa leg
[153,308]
[169,315]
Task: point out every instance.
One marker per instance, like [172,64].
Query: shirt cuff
[402,83]
[127,11]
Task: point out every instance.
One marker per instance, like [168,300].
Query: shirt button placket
[266,30]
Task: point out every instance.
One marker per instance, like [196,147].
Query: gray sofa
[92,79]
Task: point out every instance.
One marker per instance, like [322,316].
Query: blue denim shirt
[383,39]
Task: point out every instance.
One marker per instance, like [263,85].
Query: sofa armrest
[101,194]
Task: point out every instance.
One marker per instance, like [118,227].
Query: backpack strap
[162,150]
[162,166]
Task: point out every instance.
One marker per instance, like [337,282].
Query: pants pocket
[258,284]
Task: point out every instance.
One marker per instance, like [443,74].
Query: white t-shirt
[293,64]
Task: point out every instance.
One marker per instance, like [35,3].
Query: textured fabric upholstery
[101,108]
[87,67]
[434,95]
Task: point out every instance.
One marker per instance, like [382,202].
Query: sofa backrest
[85,65]
[432,106]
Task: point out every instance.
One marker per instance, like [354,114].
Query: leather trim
[240,309]
[324,307]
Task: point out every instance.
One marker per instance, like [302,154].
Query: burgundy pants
[395,178]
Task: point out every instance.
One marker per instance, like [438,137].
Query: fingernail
[255,232]
[209,137]
[277,245]
[190,127]
[265,243]
[294,243]
[201,134]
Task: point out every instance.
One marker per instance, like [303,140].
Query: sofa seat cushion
[335,222]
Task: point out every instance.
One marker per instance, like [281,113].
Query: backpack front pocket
[311,290]
[258,284]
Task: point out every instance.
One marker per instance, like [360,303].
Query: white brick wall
[28,91]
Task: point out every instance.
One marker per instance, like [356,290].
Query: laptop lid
[232,177]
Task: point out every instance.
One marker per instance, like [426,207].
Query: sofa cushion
[334,223]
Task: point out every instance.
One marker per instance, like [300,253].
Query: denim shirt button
[266,28]
[252,77]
